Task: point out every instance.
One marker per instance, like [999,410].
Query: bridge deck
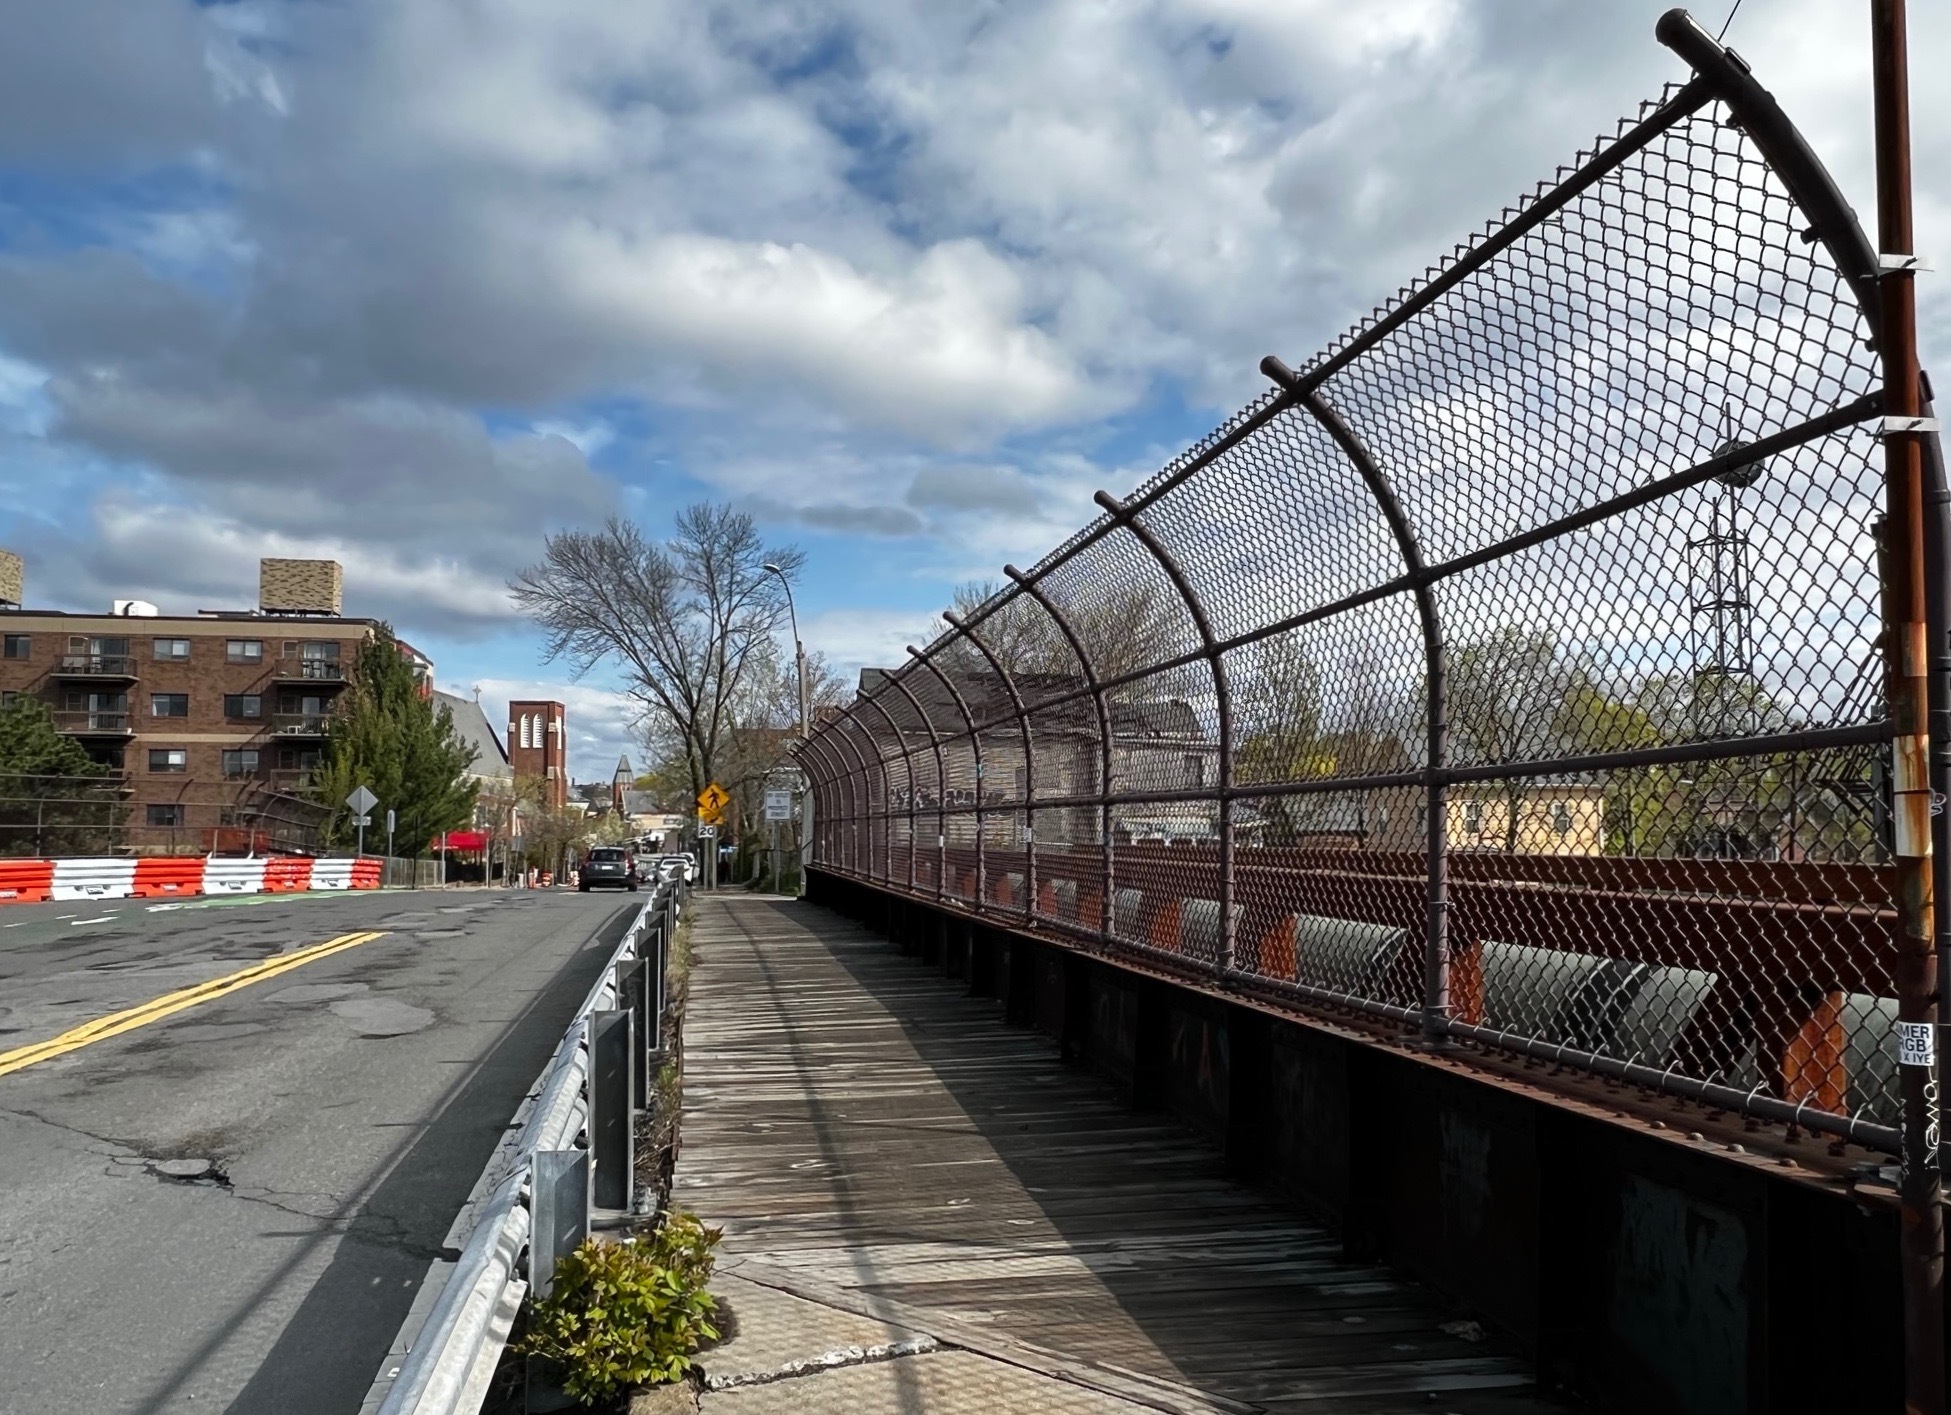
[889,1159]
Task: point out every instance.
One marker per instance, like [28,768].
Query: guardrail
[570,1161]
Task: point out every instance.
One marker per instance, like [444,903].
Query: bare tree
[1123,630]
[691,621]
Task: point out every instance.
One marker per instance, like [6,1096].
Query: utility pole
[1906,689]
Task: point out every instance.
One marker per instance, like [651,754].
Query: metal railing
[316,670]
[300,724]
[85,721]
[570,1155]
[96,665]
[1511,671]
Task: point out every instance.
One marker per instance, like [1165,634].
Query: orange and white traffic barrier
[178,876]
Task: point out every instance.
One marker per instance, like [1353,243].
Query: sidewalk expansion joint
[827,1361]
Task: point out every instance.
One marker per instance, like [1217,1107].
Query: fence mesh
[1512,669]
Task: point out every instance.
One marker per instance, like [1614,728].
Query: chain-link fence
[57,816]
[1511,670]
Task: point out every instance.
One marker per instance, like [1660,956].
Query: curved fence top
[1511,668]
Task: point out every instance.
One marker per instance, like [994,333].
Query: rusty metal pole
[1906,686]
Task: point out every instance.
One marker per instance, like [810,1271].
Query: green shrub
[627,1314]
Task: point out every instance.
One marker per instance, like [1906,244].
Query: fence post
[612,1133]
[1906,690]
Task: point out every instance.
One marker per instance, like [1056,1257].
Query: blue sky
[411,283]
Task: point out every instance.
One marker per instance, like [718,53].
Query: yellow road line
[169,1003]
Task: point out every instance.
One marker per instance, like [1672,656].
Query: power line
[1728,21]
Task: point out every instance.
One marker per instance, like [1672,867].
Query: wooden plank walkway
[878,1146]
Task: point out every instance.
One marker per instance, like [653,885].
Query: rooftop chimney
[299,586]
[13,577]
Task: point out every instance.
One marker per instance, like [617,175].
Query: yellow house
[1551,820]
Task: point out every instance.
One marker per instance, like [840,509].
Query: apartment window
[240,763]
[1561,818]
[172,650]
[19,646]
[244,651]
[320,652]
[169,759]
[1473,818]
[169,815]
[1195,772]
[244,705]
[299,758]
[169,704]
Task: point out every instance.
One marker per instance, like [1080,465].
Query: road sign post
[778,808]
[361,803]
[389,833]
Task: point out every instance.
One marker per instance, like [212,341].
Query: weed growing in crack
[627,1314]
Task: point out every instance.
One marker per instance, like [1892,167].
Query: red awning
[465,840]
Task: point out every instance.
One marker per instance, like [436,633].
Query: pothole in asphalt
[205,1172]
[317,992]
[382,1016]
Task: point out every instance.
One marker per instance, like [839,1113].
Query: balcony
[95,665]
[300,724]
[293,781]
[311,670]
[89,723]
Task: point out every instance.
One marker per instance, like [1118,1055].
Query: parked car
[685,863]
[608,865]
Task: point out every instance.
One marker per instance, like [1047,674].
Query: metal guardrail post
[611,1132]
[559,1204]
[656,991]
[632,994]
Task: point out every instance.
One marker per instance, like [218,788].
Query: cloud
[853,639]
[965,488]
[866,520]
[354,276]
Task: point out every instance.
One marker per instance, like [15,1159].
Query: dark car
[608,864]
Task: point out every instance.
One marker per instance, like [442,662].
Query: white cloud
[853,639]
[867,266]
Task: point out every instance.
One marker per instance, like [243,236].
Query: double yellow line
[141,1015]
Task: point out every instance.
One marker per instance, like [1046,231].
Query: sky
[411,283]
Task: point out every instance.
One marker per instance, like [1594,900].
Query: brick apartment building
[538,746]
[213,720]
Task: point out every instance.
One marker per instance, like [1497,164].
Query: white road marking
[98,919]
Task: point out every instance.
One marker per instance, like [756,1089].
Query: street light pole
[805,732]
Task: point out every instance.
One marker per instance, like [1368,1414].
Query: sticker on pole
[1916,1044]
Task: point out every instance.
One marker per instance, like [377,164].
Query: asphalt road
[345,1107]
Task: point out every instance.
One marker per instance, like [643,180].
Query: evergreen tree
[54,797]
[389,737]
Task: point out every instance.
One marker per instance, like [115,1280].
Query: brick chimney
[300,587]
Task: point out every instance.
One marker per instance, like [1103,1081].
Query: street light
[799,652]
[805,730]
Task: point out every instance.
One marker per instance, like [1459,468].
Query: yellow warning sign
[712,802]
